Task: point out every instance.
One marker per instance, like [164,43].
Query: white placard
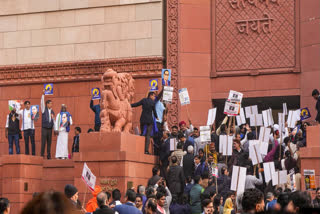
[222,141]
[235,96]
[284,109]
[225,145]
[292,180]
[205,134]
[256,120]
[167,94]
[269,170]
[281,122]
[173,144]
[267,118]
[215,172]
[231,109]
[88,177]
[264,134]
[211,116]
[15,104]
[254,153]
[264,148]
[184,96]
[292,119]
[241,119]
[251,110]
[279,177]
[238,180]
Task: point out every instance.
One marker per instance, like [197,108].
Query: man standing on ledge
[146,119]
[47,125]
[315,94]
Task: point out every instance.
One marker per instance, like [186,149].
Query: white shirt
[27,122]
[43,107]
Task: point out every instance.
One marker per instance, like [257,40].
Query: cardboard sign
[264,134]
[235,96]
[166,77]
[88,177]
[14,104]
[284,109]
[231,109]
[184,96]
[309,179]
[167,94]
[269,170]
[279,177]
[255,120]
[281,122]
[304,114]
[211,116]
[225,145]
[251,110]
[173,144]
[48,88]
[205,134]
[292,180]
[262,145]
[95,94]
[241,119]
[293,117]
[153,84]
[215,171]
[267,118]
[254,153]
[238,180]
[34,112]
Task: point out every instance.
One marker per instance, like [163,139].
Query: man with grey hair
[188,162]
[102,201]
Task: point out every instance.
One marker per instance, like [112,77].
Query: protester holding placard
[96,109]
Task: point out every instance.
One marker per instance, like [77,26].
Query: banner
[184,96]
[231,109]
[309,179]
[48,88]
[205,134]
[167,94]
[235,96]
[238,180]
[211,116]
[304,114]
[166,77]
[95,94]
[153,84]
[14,104]
[88,177]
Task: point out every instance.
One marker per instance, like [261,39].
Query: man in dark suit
[146,119]
[188,163]
[129,206]
[315,94]
[76,140]
[102,201]
[175,178]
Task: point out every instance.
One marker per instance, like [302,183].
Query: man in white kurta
[60,128]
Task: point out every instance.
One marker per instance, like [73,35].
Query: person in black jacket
[188,162]
[76,140]
[12,131]
[102,201]
[175,178]
[315,94]
[146,119]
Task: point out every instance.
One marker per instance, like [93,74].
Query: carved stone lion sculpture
[116,96]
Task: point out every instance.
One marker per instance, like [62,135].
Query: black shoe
[147,153]
[48,157]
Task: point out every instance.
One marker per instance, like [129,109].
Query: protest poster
[255,120]
[225,145]
[293,117]
[184,96]
[251,110]
[309,179]
[166,77]
[48,88]
[95,94]
[235,96]
[304,114]
[264,134]
[238,180]
[281,122]
[173,144]
[167,94]
[267,118]
[88,177]
[34,112]
[292,180]
[254,153]
[14,104]
[284,109]
[215,171]
[153,84]
[241,119]
[279,177]
[211,116]
[269,170]
[205,134]
[231,109]
[264,148]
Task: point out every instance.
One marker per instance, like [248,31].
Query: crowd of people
[193,177]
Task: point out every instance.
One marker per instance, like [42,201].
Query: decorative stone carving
[116,96]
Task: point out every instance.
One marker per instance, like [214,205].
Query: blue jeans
[15,138]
